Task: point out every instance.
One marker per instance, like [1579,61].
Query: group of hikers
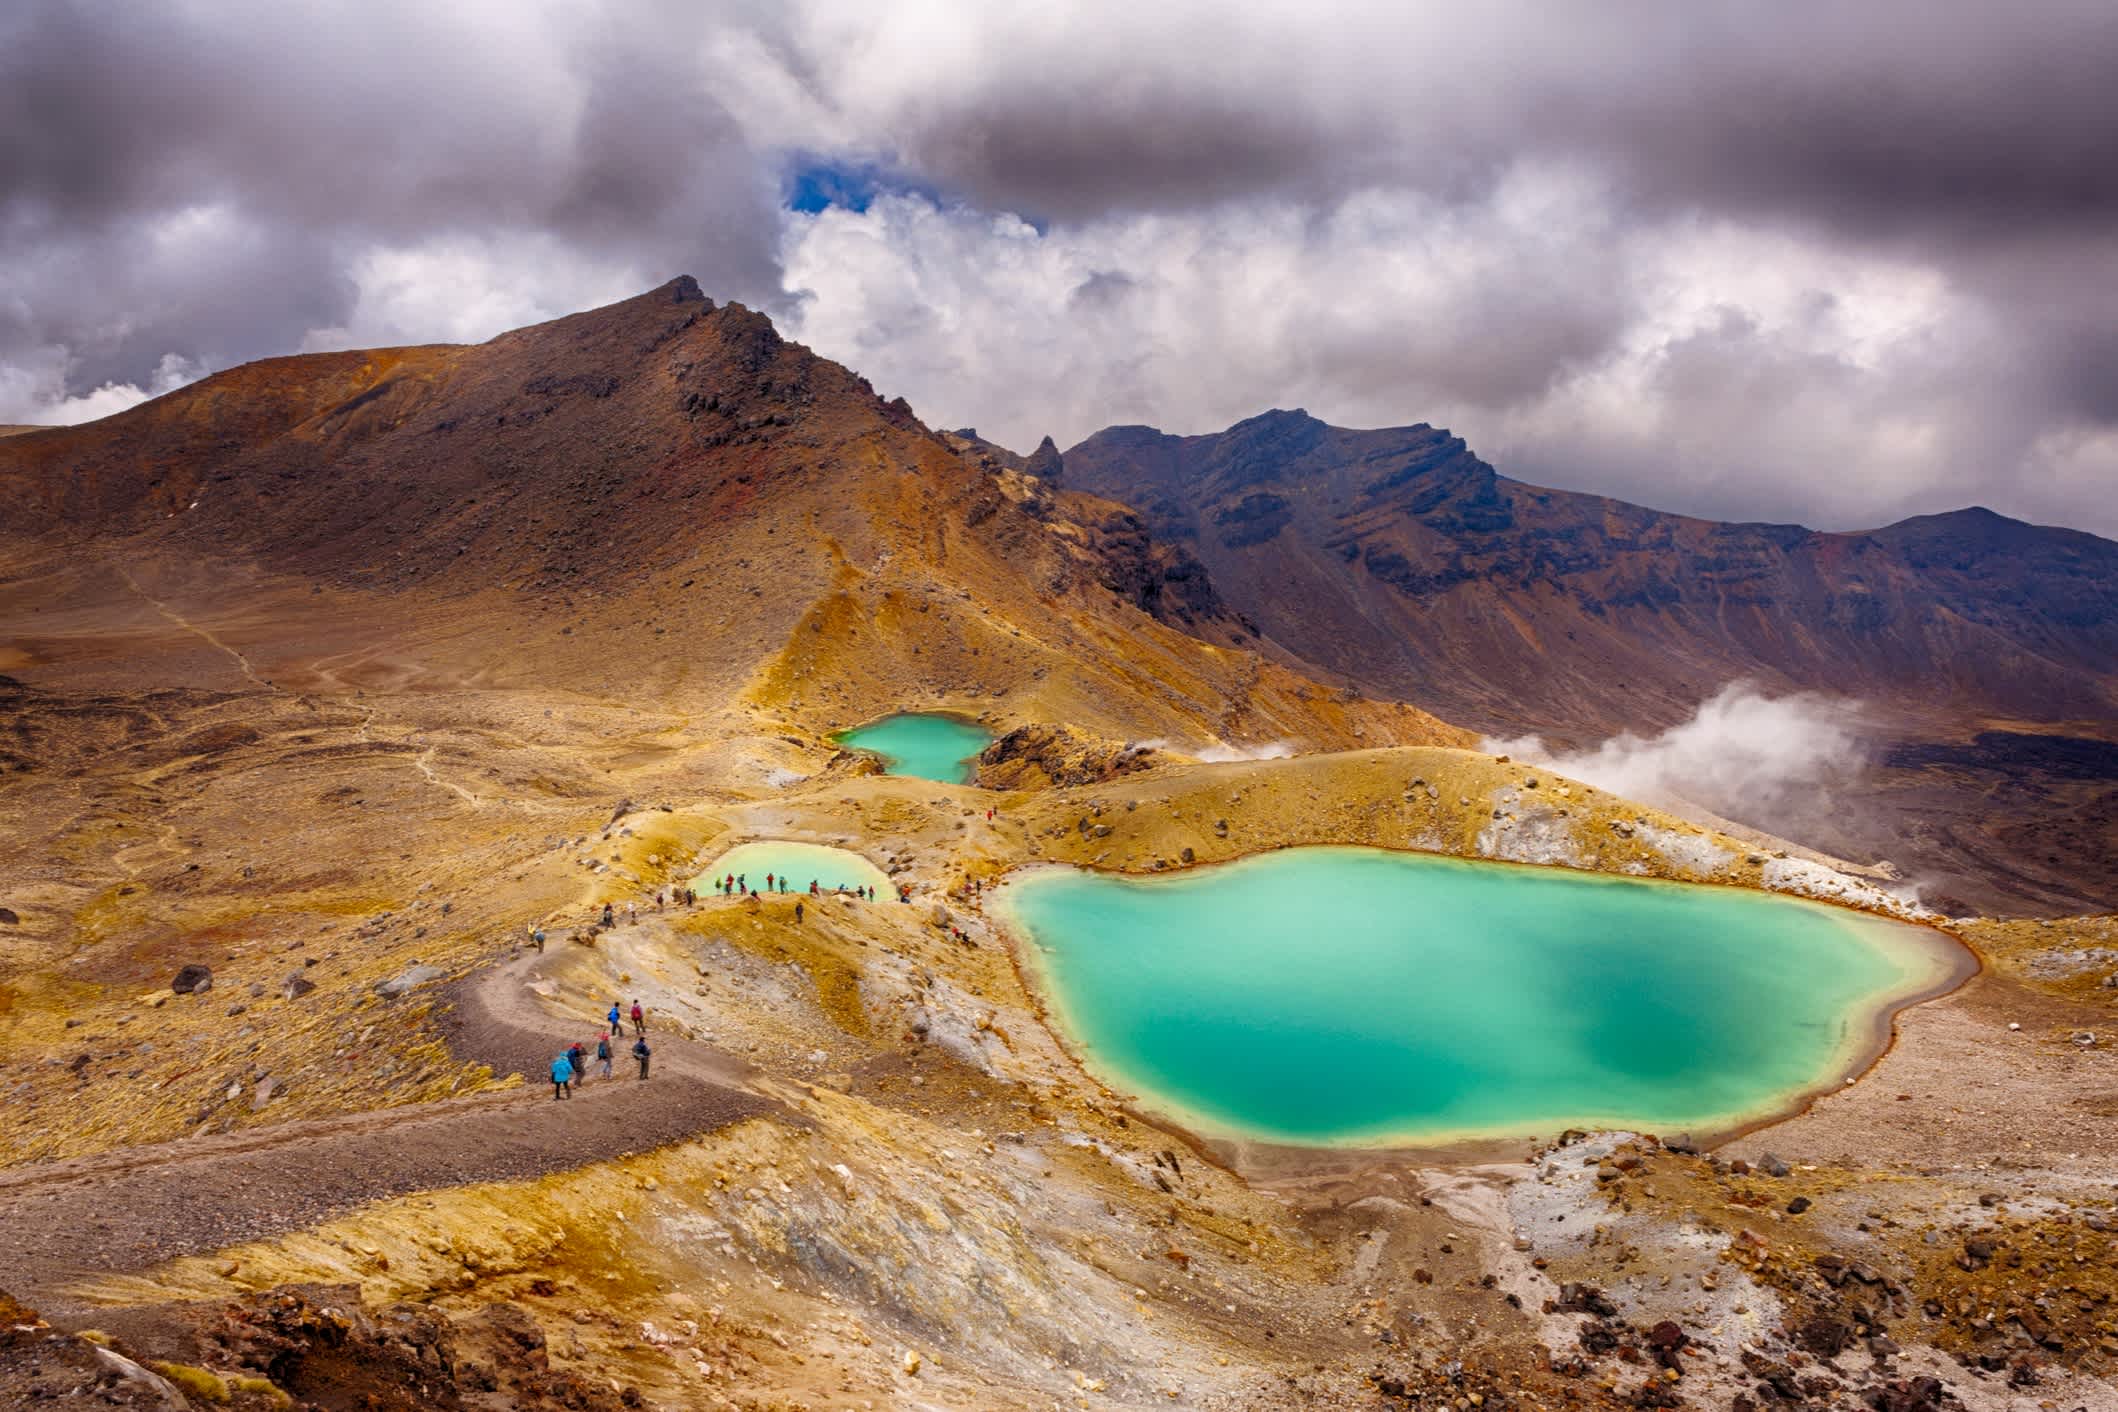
[570,1066]
[776,884]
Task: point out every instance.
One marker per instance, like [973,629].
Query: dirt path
[120,1211]
[241,662]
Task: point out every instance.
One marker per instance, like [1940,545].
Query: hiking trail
[70,1221]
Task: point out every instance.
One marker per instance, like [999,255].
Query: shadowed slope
[1401,562]
[663,483]
[1416,569]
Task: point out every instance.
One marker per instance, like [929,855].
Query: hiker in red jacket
[639,1019]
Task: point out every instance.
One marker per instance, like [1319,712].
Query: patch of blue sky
[816,182]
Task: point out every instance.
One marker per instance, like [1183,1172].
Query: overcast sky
[1804,261]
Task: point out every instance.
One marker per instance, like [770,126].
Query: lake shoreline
[1269,1157]
[917,744]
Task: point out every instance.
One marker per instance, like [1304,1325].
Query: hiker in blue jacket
[562,1077]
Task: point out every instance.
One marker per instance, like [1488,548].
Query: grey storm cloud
[1810,260]
[200,179]
[1935,122]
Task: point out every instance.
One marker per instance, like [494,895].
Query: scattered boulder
[193,980]
[155,1390]
[410,978]
[1043,756]
[1922,1394]
[324,1346]
[1775,1379]
[1577,1297]
[295,986]
[1979,1251]
[1824,1336]
[1770,1164]
[2040,1331]
[9,917]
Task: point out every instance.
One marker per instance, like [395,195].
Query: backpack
[640,1049]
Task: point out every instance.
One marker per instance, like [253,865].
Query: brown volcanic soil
[61,1222]
[294,732]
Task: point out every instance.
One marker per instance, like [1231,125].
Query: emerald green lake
[801,863]
[1364,997]
[928,747]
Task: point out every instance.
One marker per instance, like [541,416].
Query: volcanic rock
[1045,462]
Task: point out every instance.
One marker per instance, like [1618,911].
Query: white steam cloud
[1741,753]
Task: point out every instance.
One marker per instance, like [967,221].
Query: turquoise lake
[928,747]
[802,863]
[1356,996]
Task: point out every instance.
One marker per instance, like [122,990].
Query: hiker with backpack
[641,1052]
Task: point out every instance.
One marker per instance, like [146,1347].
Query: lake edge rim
[1953,963]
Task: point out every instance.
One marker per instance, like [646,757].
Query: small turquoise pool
[1359,996]
[799,863]
[925,746]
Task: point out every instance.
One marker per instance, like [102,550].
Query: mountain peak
[1045,462]
[1276,419]
[1987,529]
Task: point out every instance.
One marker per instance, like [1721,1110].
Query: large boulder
[410,978]
[1040,756]
[193,980]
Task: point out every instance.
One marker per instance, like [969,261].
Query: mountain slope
[1402,560]
[1399,560]
[663,489]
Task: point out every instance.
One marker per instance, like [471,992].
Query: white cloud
[1742,753]
[36,395]
[1702,367]
[1377,309]
[1820,263]
[466,289]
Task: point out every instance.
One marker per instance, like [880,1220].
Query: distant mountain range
[1983,650]
[1402,561]
[666,486]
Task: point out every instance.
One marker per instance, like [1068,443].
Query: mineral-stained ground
[280,822]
